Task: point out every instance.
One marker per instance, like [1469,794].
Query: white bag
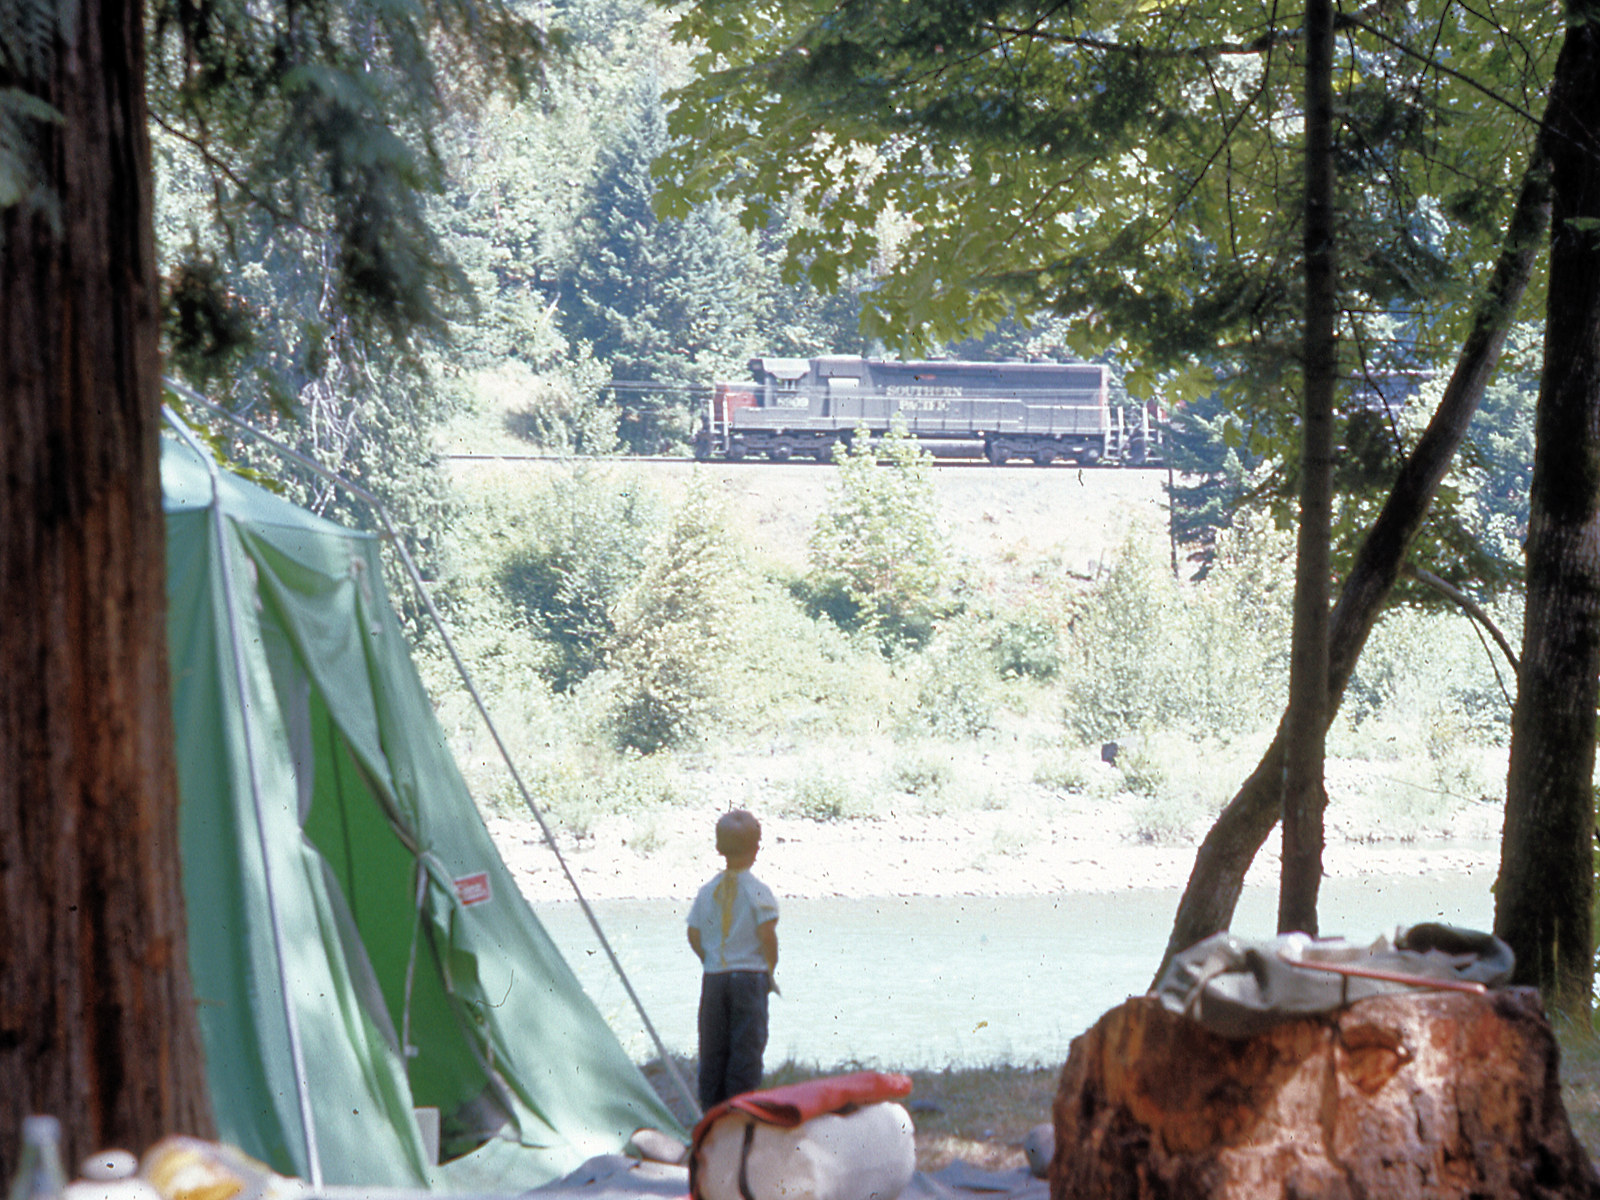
[869,1154]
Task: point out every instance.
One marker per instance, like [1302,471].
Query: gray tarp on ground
[1237,988]
[615,1177]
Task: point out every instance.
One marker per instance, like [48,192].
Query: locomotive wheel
[1089,457]
[735,452]
[1044,457]
[781,452]
[995,452]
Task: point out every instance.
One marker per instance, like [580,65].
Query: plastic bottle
[40,1175]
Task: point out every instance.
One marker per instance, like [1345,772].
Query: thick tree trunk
[1542,903]
[96,1019]
[1231,845]
[1305,725]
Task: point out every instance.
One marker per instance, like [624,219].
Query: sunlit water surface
[924,982]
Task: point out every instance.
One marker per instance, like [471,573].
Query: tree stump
[1430,1094]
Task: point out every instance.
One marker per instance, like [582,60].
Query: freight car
[805,407]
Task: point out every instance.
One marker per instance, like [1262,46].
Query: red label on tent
[473,889]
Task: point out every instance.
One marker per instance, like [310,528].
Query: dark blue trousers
[733,1033]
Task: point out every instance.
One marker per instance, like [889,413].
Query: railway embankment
[1060,517]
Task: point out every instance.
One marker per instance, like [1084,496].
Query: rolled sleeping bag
[867,1154]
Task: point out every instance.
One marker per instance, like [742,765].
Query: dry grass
[979,1114]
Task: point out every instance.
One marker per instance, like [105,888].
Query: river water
[927,982]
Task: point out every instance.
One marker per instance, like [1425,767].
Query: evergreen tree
[317,116]
[670,305]
[307,272]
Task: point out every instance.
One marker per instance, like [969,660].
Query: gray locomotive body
[804,407]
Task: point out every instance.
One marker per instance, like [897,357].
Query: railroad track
[761,464]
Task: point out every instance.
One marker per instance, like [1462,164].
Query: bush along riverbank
[648,666]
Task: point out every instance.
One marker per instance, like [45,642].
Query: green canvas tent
[358,948]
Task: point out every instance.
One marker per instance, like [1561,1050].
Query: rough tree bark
[97,1024]
[1305,724]
[1427,1096]
[1214,885]
[1542,903]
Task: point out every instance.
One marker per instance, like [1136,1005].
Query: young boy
[733,929]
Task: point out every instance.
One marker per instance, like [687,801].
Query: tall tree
[669,304]
[1543,899]
[1127,169]
[312,115]
[96,1019]
[1217,878]
[1305,724]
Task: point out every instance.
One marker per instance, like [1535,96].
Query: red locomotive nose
[727,398]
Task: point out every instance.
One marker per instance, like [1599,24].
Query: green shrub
[1421,668]
[646,837]
[800,677]
[577,787]
[1145,653]
[1166,818]
[1061,771]
[572,796]
[923,772]
[1123,675]
[878,557]
[642,783]
[1231,639]
[956,692]
[1026,644]
[1143,772]
[675,632]
[825,799]
[586,543]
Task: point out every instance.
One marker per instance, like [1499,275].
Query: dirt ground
[934,856]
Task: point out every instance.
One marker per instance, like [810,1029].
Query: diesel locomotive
[1040,411]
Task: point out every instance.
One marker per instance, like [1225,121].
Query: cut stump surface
[1434,1094]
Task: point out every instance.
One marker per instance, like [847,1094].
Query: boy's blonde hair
[738,832]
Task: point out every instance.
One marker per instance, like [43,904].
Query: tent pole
[421,589]
[297,1057]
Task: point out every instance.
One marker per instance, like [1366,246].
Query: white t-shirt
[753,905]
